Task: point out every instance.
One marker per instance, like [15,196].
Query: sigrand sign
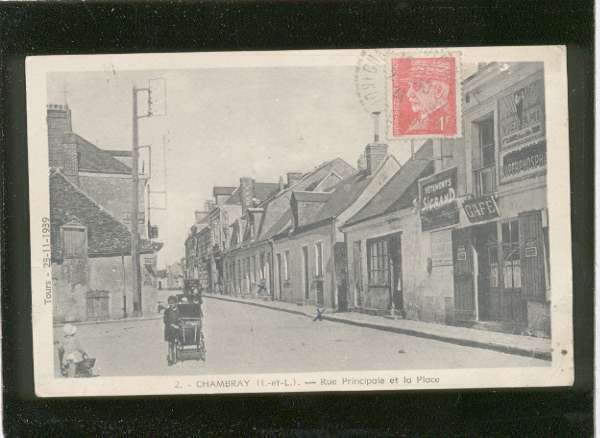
[438,206]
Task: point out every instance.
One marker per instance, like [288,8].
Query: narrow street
[249,339]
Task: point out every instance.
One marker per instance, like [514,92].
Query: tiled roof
[284,222]
[261,192]
[401,189]
[278,220]
[221,190]
[106,235]
[118,153]
[343,195]
[311,196]
[94,159]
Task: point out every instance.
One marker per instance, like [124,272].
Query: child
[70,350]
[171,321]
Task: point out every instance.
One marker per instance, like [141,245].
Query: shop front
[499,266]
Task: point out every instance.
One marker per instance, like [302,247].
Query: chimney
[293,178]
[246,193]
[375,153]
[209,205]
[58,118]
[361,163]
[69,157]
[281,184]
[376,126]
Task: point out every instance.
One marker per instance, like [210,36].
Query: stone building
[500,244]
[103,178]
[310,253]
[473,249]
[388,261]
[91,258]
[248,262]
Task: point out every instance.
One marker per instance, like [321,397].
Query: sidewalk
[528,346]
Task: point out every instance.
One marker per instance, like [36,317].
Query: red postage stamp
[424,97]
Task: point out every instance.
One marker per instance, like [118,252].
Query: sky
[222,124]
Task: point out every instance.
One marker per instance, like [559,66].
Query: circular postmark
[370,79]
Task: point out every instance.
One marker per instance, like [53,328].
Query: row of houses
[457,234]
[90,228]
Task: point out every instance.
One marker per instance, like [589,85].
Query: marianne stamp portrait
[334,220]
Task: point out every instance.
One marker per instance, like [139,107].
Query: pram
[189,343]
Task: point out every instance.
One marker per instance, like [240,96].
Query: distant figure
[319,315]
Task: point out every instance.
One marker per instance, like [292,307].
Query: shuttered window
[531,245]
[319,259]
[378,262]
[74,242]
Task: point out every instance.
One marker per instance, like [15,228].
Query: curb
[108,321]
[518,351]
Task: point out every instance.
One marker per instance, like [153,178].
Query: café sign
[481,209]
[438,203]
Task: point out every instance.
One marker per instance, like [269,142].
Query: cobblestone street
[248,339]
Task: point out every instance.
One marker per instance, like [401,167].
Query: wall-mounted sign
[438,205]
[521,114]
[481,209]
[522,131]
[523,161]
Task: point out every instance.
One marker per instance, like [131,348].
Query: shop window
[512,256]
[319,259]
[74,242]
[378,262]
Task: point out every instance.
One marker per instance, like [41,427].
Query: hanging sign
[438,205]
[481,209]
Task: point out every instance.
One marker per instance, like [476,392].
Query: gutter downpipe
[333,267]
[272,271]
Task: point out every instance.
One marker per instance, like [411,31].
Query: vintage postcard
[333,220]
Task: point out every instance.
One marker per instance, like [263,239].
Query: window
[486,142]
[378,262]
[74,242]
[485,176]
[512,256]
[262,266]
[255,276]
[286,260]
[319,259]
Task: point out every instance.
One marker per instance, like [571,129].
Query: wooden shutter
[464,289]
[531,241]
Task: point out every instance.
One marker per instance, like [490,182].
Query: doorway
[487,273]
[305,272]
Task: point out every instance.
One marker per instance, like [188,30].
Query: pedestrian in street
[171,322]
[319,315]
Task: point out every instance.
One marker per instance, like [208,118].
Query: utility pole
[135,186]
[135,236]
